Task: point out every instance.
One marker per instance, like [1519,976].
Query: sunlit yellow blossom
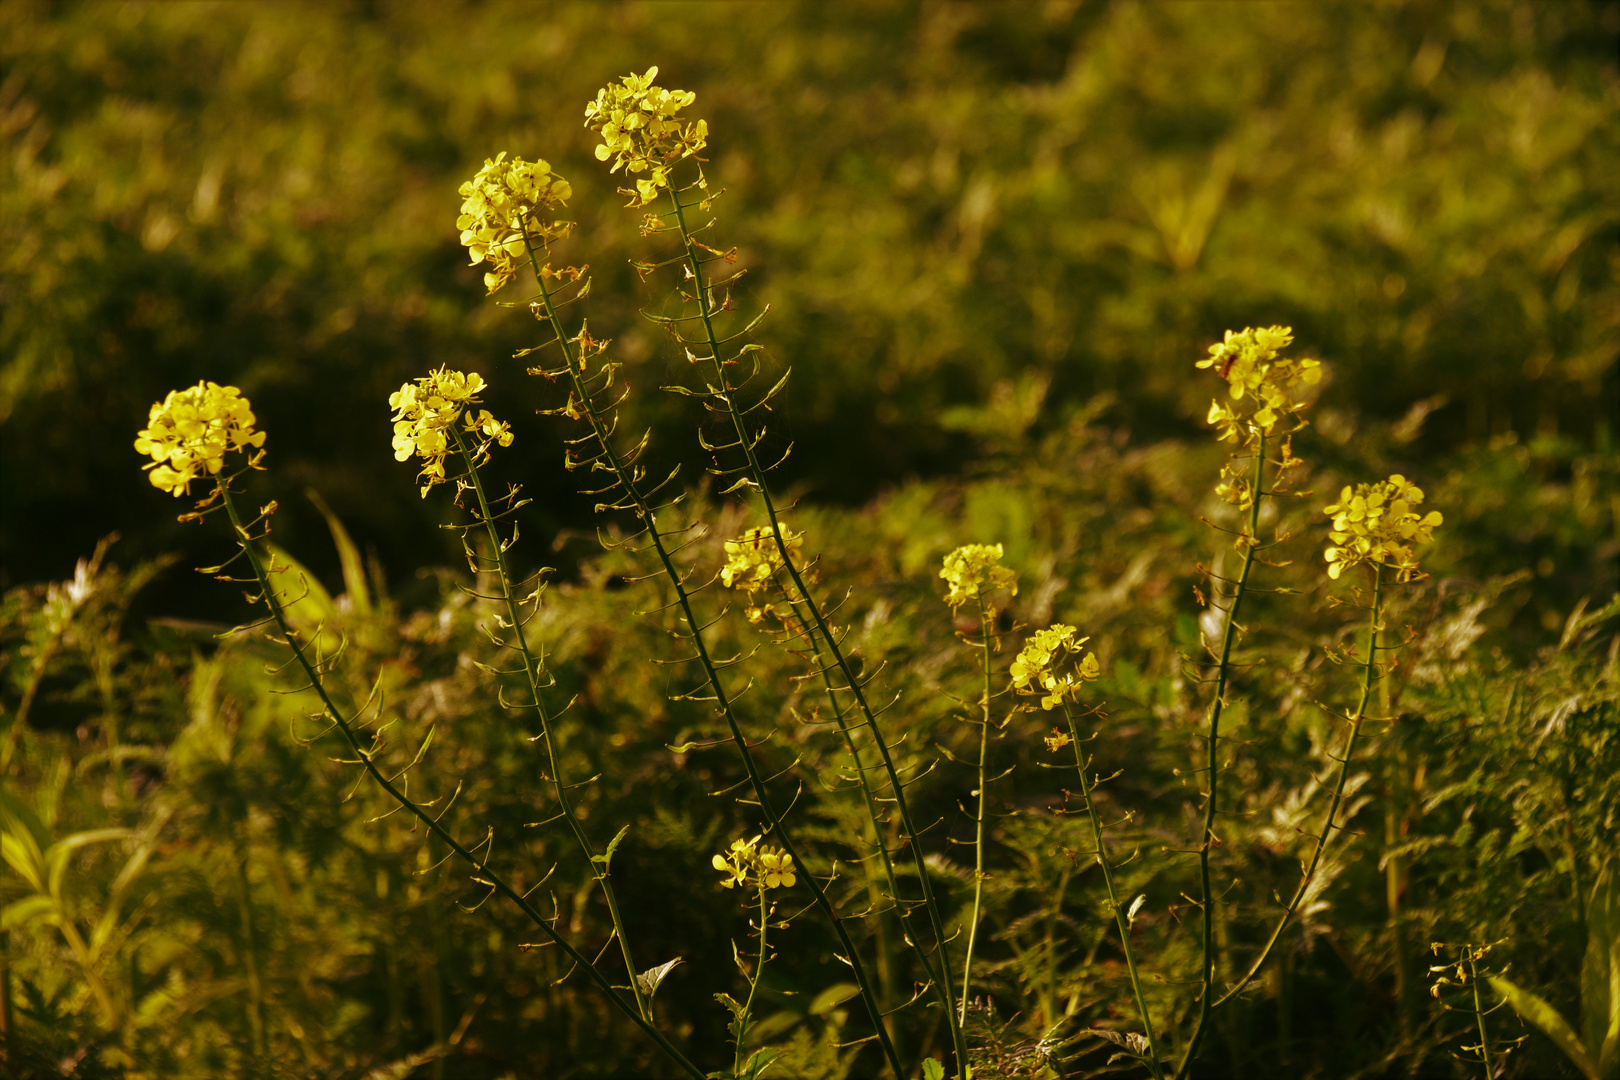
[1058,740]
[189,433]
[973,570]
[1375,523]
[1035,669]
[642,132]
[1263,386]
[501,205]
[425,414]
[748,862]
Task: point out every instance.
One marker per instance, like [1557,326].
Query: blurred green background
[993,238]
[950,208]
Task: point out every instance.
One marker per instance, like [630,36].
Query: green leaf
[830,998]
[1600,975]
[606,858]
[653,977]
[27,910]
[1545,1017]
[756,1064]
[354,571]
[932,1069]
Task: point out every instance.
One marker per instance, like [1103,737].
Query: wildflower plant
[1459,978]
[509,222]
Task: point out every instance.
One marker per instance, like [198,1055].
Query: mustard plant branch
[755,475]
[1122,918]
[1223,671]
[485,875]
[627,480]
[986,627]
[600,866]
[753,982]
[1320,840]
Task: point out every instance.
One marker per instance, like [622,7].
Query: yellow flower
[189,433]
[425,411]
[1375,523]
[1058,740]
[501,206]
[1035,669]
[642,132]
[972,570]
[750,862]
[1261,382]
[753,557]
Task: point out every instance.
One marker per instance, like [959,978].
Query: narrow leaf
[1544,1016]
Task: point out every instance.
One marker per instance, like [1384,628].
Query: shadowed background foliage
[948,207]
[993,239]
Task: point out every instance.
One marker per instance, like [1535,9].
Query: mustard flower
[973,570]
[1375,523]
[752,560]
[425,412]
[642,132]
[500,214]
[189,433]
[1263,386]
[761,865]
[1035,669]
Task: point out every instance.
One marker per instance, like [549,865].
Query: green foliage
[994,255]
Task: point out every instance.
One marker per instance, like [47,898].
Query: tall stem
[531,670]
[756,474]
[978,835]
[483,873]
[628,481]
[1223,672]
[1479,1013]
[753,983]
[1120,916]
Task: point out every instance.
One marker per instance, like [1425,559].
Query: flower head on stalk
[425,412]
[642,131]
[1035,669]
[973,570]
[189,433]
[500,214]
[749,862]
[1263,386]
[1375,523]
[752,561]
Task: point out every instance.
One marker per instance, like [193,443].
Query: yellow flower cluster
[500,205]
[1034,670]
[751,564]
[1263,385]
[973,570]
[425,411]
[189,433]
[641,131]
[751,863]
[1375,523]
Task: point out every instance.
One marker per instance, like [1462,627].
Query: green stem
[1120,916]
[1479,1013]
[483,873]
[531,669]
[1223,673]
[978,835]
[627,478]
[1368,671]
[753,983]
[756,475]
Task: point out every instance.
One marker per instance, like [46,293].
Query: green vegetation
[704,797]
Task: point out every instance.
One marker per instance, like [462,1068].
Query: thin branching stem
[756,475]
[1121,917]
[1479,1012]
[627,479]
[986,617]
[532,666]
[753,983]
[1369,671]
[1223,673]
[482,873]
